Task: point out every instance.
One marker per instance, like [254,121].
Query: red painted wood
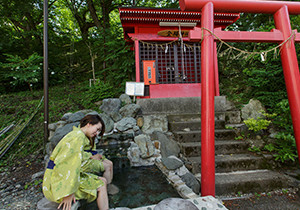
[137,62]
[175,90]
[291,70]
[249,6]
[217,88]
[207,104]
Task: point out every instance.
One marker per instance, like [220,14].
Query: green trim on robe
[68,175]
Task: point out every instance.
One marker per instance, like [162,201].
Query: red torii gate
[281,11]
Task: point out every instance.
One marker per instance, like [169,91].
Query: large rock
[61,132]
[133,154]
[125,99]
[92,113]
[130,110]
[172,162]
[175,204]
[252,110]
[145,144]
[52,126]
[116,116]
[192,182]
[168,146]
[76,117]
[109,123]
[155,123]
[45,204]
[66,116]
[125,124]
[110,105]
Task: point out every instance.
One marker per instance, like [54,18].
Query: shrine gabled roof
[133,15]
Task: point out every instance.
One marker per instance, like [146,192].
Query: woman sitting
[70,172]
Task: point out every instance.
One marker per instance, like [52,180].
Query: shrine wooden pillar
[207,103]
[290,70]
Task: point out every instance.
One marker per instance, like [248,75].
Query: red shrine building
[167,63]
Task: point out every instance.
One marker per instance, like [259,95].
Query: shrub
[23,71]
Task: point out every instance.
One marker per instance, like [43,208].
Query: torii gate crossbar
[281,11]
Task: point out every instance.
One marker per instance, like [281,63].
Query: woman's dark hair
[93,119]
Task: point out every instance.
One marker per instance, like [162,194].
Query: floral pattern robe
[72,171]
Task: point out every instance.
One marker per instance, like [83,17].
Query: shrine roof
[145,16]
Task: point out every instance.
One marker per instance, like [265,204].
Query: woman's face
[93,130]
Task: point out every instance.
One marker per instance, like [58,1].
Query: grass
[19,106]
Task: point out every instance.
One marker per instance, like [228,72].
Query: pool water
[139,186]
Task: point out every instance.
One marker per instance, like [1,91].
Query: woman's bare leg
[102,199]
[108,170]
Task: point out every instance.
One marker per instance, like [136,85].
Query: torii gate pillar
[290,70]
[280,10]
[207,103]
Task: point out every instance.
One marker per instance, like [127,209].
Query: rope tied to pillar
[229,51]
[263,54]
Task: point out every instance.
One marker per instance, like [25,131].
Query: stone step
[193,117]
[229,163]
[177,105]
[250,182]
[193,149]
[195,136]
[192,125]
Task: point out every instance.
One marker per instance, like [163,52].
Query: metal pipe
[46,87]
[290,70]
[207,104]
[249,6]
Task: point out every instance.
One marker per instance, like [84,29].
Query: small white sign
[135,88]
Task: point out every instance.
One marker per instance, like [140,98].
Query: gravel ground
[275,200]
[21,185]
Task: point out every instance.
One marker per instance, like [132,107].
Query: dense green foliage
[245,78]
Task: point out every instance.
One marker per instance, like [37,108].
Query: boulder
[125,99]
[133,153]
[130,110]
[110,105]
[61,132]
[175,204]
[76,117]
[140,121]
[191,181]
[125,124]
[168,146]
[155,123]
[115,116]
[92,113]
[60,124]
[109,123]
[172,162]
[66,116]
[45,204]
[252,110]
[145,144]
[52,126]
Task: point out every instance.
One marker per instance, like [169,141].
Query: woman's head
[93,125]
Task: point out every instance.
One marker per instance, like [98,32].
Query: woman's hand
[96,157]
[67,202]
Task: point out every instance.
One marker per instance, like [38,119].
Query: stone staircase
[237,170]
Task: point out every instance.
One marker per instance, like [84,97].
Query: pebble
[14,196]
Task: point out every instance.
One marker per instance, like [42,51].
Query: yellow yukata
[70,169]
